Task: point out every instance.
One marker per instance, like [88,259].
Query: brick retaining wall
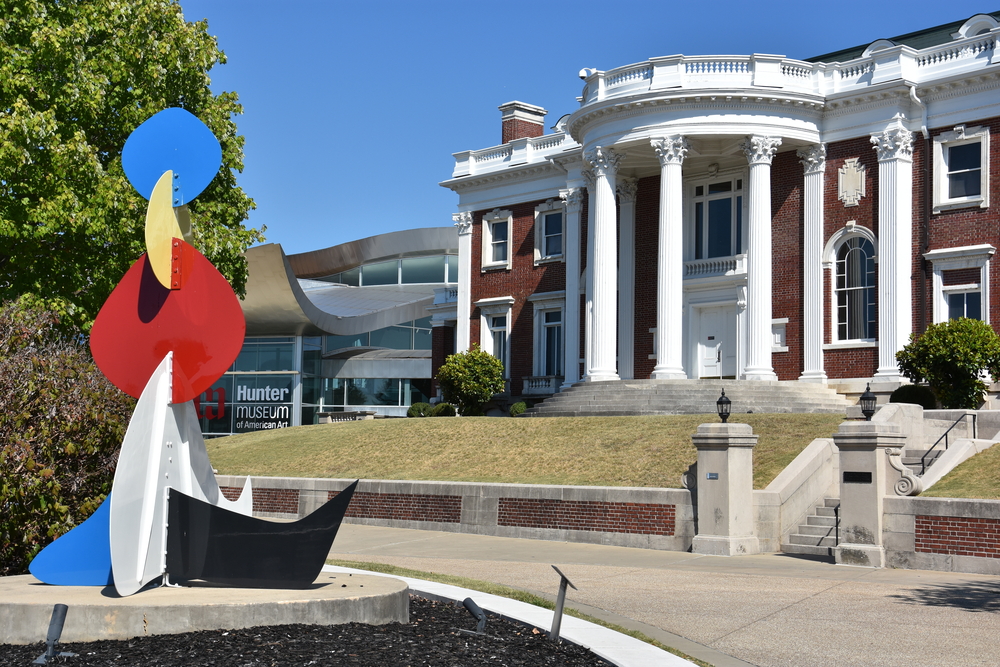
[948,534]
[644,519]
[959,536]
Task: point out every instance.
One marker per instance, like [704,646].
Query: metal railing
[944,436]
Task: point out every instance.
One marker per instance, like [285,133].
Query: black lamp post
[868,401]
[723,405]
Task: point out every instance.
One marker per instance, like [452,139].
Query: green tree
[61,426]
[76,78]
[470,379]
[952,357]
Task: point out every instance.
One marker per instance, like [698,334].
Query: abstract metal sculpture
[168,331]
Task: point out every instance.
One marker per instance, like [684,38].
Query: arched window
[855,289]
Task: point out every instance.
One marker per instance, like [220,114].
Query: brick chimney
[522,120]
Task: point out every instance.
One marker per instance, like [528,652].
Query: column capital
[588,177]
[894,143]
[760,150]
[604,160]
[813,158]
[463,220]
[670,150]
[627,188]
[573,198]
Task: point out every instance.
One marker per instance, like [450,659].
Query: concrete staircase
[677,397]
[818,535]
[919,460]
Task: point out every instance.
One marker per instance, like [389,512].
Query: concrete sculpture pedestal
[725,490]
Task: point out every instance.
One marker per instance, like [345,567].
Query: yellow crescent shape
[161,227]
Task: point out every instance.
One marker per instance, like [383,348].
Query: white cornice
[514,174]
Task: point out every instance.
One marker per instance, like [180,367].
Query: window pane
[553,350]
[553,316]
[699,191]
[553,234]
[383,273]
[351,276]
[452,269]
[373,391]
[720,228]
[333,391]
[422,339]
[967,156]
[956,306]
[247,359]
[423,270]
[699,234]
[726,186]
[423,322]
[964,184]
[420,390]
[973,308]
[311,389]
[499,241]
[395,338]
[276,357]
[739,225]
[338,342]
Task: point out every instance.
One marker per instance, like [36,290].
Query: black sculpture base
[208,543]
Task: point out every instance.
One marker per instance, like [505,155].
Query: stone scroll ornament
[168,331]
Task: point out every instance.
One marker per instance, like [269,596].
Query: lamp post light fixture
[723,406]
[868,401]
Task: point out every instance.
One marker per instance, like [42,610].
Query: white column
[759,151]
[814,162]
[895,234]
[604,298]
[588,275]
[670,260]
[463,221]
[626,277]
[571,326]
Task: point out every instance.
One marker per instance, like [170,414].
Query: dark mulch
[431,638]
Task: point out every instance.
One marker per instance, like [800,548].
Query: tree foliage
[61,425]
[952,357]
[76,78]
[470,379]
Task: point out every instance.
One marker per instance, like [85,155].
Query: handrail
[944,436]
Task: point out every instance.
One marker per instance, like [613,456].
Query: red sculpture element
[202,323]
[180,263]
[218,395]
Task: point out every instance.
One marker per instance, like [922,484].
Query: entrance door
[717,342]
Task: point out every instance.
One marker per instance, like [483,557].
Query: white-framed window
[497,229]
[717,217]
[494,328]
[961,168]
[960,282]
[550,220]
[549,339]
[850,257]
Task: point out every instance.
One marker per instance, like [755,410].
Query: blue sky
[353,109]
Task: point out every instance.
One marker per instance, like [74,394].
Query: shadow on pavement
[973,596]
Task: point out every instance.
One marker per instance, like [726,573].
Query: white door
[717,342]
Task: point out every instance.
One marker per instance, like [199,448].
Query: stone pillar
[626,278]
[588,275]
[725,490]
[670,260]
[759,151]
[602,366]
[814,162]
[574,202]
[864,483]
[463,220]
[895,236]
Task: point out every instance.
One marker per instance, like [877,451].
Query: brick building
[753,217]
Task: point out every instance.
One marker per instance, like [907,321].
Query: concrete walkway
[769,610]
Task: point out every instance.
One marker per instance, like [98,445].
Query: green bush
[419,410]
[470,379]
[916,394]
[518,408]
[952,357]
[61,426]
[443,410]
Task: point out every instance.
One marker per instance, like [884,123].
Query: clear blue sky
[353,109]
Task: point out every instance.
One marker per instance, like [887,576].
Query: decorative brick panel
[960,277]
[404,507]
[283,501]
[957,536]
[607,517]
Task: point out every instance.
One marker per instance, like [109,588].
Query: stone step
[821,531]
[826,511]
[807,550]
[812,540]
[831,502]
[826,521]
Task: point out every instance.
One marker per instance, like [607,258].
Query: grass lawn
[580,451]
[979,477]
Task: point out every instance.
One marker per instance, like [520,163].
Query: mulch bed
[432,637]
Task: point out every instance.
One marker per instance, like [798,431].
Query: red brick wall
[958,536]
[442,344]
[403,507]
[284,501]
[787,179]
[607,517]
[960,277]
[647,235]
[517,128]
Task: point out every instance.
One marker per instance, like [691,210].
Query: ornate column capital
[573,198]
[670,150]
[813,158]
[463,220]
[588,176]
[895,142]
[603,160]
[627,188]
[760,150]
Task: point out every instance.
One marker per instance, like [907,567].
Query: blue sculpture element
[172,140]
[81,557]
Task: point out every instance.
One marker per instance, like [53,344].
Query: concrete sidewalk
[768,610]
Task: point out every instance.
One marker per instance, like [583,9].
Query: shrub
[518,408]
[61,426]
[470,379]
[443,410]
[914,393]
[952,357]
[419,410]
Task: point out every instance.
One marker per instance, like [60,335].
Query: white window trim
[542,303]
[550,206]
[957,137]
[779,342]
[951,259]
[851,229]
[489,219]
[494,307]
